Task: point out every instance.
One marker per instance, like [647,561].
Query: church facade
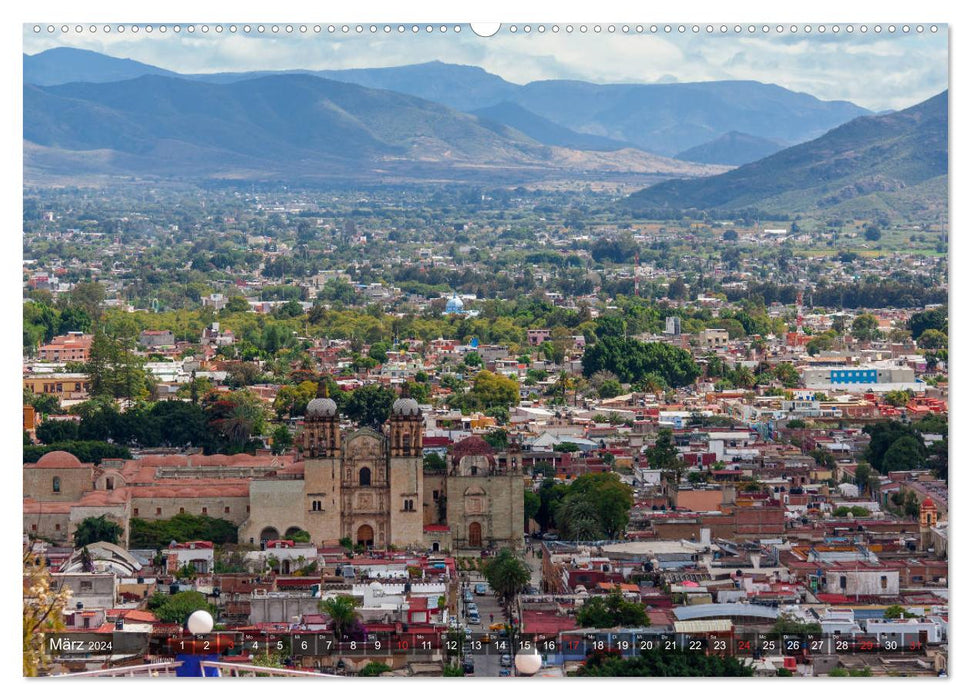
[370,487]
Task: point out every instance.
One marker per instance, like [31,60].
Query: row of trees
[184,527]
[225,423]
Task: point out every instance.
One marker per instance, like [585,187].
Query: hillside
[543,130]
[660,118]
[286,126]
[69,65]
[892,162]
[733,148]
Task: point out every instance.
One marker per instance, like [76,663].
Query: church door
[475,535]
[365,535]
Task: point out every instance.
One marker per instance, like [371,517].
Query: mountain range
[883,163]
[293,125]
[664,119]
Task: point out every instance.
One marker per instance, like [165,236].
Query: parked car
[468,665]
[505,660]
[481,589]
[503,672]
[474,619]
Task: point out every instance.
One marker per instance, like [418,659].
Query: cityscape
[413,369]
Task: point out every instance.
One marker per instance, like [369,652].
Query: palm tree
[579,520]
[507,575]
[342,612]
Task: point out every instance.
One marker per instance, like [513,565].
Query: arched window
[56,484]
[364,477]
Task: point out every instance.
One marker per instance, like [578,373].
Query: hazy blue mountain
[286,126]
[885,162]
[465,88]
[733,148]
[664,118]
[671,118]
[67,65]
[543,130]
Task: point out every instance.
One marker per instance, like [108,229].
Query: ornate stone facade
[370,487]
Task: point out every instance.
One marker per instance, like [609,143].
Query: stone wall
[39,483]
[276,504]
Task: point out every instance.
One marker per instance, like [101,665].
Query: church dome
[58,459]
[454,305]
[928,503]
[321,408]
[405,407]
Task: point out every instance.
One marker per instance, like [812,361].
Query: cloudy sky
[877,71]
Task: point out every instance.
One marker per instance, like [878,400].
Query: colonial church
[364,485]
[371,487]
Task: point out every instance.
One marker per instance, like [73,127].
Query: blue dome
[454,305]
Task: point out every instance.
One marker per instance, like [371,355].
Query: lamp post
[198,624]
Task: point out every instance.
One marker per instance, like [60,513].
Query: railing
[166,668]
[226,669]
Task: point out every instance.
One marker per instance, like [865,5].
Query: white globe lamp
[200,622]
[528,663]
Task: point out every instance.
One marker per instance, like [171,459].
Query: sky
[877,71]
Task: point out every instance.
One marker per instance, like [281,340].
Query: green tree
[631,360]
[610,388]
[51,431]
[664,455]
[594,506]
[184,527]
[932,339]
[531,504]
[379,352]
[507,576]
[577,519]
[44,404]
[493,390]
[612,610]
[342,610]
[282,440]
[883,435]
[897,397]
[370,405]
[89,297]
[664,664]
[374,668]
[905,453]
[932,319]
[99,529]
[896,612]
[177,608]
[865,327]
[551,494]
